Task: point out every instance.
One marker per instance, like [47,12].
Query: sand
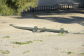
[45,43]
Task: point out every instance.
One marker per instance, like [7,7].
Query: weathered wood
[25,28]
[36,29]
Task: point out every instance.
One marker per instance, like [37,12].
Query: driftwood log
[36,29]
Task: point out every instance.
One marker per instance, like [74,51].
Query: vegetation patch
[6,37]
[4,52]
[61,34]
[27,42]
[82,53]
[69,52]
[12,7]
[23,43]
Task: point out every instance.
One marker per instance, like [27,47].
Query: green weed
[69,52]
[27,42]
[82,53]
[6,37]
[61,34]
[4,52]
[23,43]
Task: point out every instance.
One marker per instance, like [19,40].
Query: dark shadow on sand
[75,19]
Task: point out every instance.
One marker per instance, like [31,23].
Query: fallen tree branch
[36,29]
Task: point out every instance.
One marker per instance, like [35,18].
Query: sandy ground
[45,43]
